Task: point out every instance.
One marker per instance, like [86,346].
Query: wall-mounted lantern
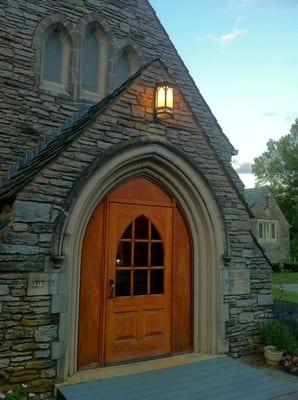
[164,101]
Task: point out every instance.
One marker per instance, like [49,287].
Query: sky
[243,56]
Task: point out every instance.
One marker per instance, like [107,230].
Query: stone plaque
[238,281]
[42,284]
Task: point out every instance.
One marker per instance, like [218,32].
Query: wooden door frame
[155,160]
[180,301]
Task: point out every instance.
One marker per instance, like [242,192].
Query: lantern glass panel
[170,97]
[161,97]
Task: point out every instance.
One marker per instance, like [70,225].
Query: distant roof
[252,195]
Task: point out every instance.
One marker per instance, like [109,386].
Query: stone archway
[179,177]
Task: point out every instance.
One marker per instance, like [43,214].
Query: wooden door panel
[154,322]
[182,286]
[140,190]
[125,325]
[153,311]
[91,291]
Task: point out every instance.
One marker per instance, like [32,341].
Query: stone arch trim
[92,18]
[134,53]
[206,226]
[105,41]
[54,20]
[127,45]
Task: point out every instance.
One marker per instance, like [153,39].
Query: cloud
[249,3]
[228,37]
[270,114]
[246,3]
[244,168]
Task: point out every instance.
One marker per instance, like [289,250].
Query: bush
[18,393]
[287,313]
[276,333]
[285,267]
[273,333]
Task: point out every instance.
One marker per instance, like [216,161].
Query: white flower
[9,392]
[2,395]
[31,394]
[24,386]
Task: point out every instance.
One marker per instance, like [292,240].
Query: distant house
[124,231]
[270,226]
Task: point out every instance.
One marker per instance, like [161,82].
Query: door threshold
[88,375]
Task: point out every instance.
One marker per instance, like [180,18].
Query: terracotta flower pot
[272,355]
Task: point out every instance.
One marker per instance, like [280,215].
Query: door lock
[111,288]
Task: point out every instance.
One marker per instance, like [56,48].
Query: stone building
[115,214]
[270,226]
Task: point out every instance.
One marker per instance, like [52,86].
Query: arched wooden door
[136,293]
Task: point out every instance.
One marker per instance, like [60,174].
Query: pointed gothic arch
[205,223]
[127,64]
[54,54]
[94,62]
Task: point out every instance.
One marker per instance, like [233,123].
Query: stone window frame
[134,57]
[102,73]
[266,226]
[42,32]
[73,36]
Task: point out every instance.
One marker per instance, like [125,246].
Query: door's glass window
[154,233]
[142,227]
[156,281]
[156,254]
[140,282]
[123,283]
[140,260]
[124,254]
[128,233]
[141,254]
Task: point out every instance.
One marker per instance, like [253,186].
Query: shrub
[18,393]
[290,267]
[276,333]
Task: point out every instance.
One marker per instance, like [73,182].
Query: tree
[278,167]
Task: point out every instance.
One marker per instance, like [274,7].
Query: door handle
[111,288]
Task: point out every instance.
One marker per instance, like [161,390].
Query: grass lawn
[290,297]
[285,277]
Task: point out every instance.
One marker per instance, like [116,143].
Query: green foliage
[17,393]
[289,267]
[285,277]
[276,333]
[278,167]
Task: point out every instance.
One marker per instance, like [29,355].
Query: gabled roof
[33,161]
[46,150]
[253,195]
[196,101]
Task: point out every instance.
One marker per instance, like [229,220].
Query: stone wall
[33,325]
[28,113]
[28,330]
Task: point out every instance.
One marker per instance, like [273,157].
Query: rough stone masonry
[37,195]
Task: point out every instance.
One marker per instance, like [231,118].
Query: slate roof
[48,148]
[197,102]
[253,195]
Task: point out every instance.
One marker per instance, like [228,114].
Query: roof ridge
[65,133]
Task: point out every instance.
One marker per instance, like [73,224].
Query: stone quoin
[70,137]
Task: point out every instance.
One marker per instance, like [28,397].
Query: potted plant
[274,335]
